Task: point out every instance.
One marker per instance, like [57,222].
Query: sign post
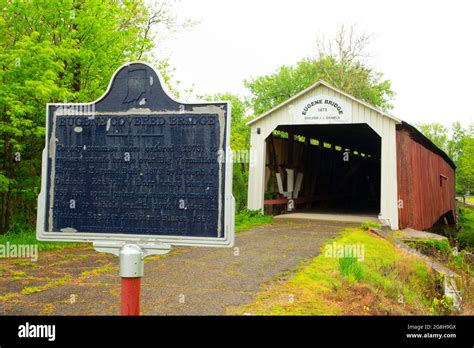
[135,173]
[131,272]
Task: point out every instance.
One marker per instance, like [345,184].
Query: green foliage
[466,228]
[239,132]
[239,143]
[432,246]
[437,133]
[462,261]
[466,239]
[350,268]
[239,187]
[455,145]
[370,224]
[465,170]
[459,258]
[58,51]
[442,306]
[25,237]
[31,290]
[247,219]
[458,143]
[387,270]
[387,281]
[440,245]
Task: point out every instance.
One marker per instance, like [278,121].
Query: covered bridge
[325,151]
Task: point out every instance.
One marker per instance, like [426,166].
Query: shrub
[246,219]
[29,237]
[239,187]
[442,306]
[462,261]
[466,228]
[441,246]
[370,224]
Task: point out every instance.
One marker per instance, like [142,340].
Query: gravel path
[188,281]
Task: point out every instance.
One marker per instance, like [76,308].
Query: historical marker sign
[137,165]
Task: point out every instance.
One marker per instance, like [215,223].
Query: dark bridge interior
[336,168]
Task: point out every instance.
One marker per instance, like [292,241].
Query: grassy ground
[387,281]
[456,253]
[29,237]
[470,200]
[247,219]
[461,262]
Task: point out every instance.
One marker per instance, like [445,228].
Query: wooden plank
[419,170]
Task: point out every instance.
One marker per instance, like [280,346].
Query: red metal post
[131,271]
[130,304]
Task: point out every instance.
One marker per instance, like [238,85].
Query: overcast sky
[426,48]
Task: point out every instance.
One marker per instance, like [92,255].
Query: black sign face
[137,164]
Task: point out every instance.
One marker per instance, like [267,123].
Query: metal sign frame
[114,240]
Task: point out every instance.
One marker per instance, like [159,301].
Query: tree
[437,133]
[338,61]
[239,143]
[59,51]
[465,169]
[457,143]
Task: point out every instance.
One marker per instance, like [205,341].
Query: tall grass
[29,237]
[350,268]
[466,228]
[246,219]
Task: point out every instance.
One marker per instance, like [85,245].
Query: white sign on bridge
[322,109]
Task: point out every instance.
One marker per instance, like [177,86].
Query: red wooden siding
[419,173]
